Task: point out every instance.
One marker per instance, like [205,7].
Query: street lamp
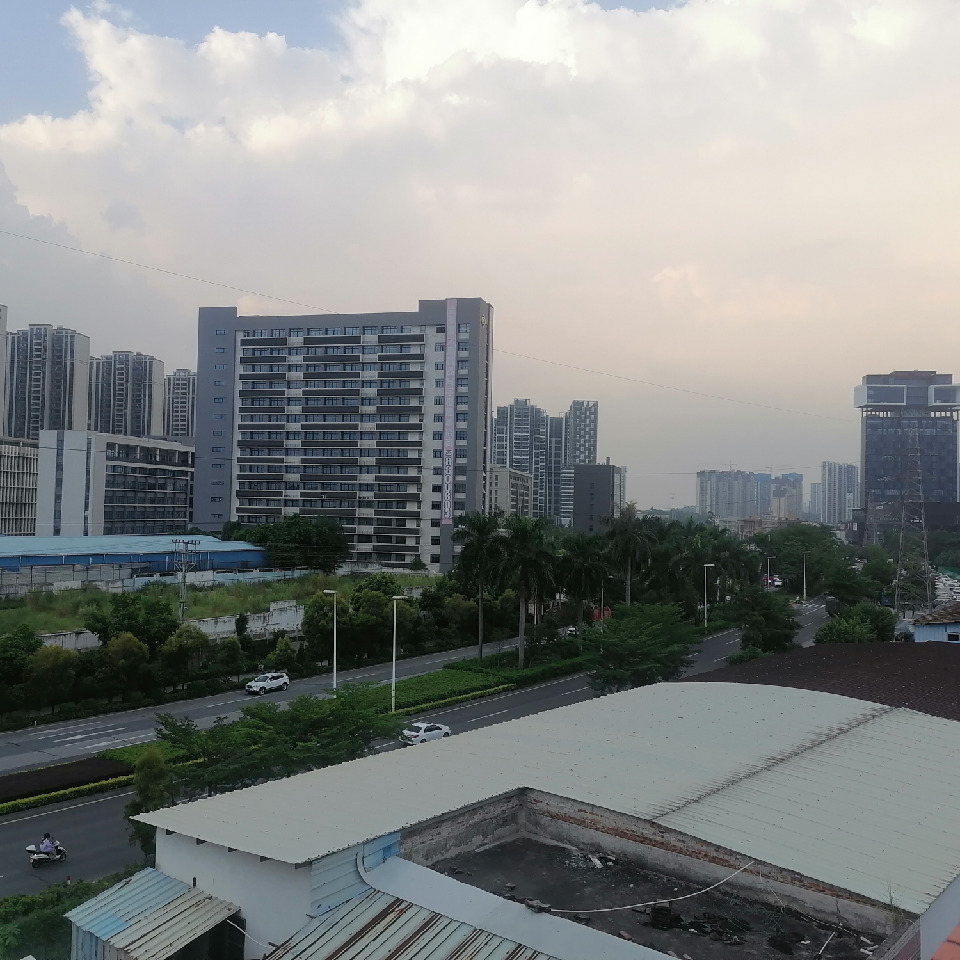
[769,581]
[393,670]
[805,552]
[705,595]
[333,593]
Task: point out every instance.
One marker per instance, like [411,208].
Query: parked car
[268,682]
[422,731]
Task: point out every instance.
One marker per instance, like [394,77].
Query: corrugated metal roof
[381,927]
[950,613]
[121,545]
[860,795]
[115,909]
[169,928]
[150,915]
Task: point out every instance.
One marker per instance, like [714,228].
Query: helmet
[46,836]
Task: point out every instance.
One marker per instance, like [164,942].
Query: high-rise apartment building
[907,416]
[840,492]
[509,491]
[126,394]
[527,438]
[179,403]
[46,380]
[18,487]
[379,421]
[786,496]
[581,423]
[733,494]
[92,484]
[3,366]
[815,506]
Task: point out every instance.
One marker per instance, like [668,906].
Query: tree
[527,563]
[16,649]
[283,656]
[126,659]
[154,788]
[147,614]
[175,660]
[582,569]
[298,541]
[51,671]
[629,544]
[230,655]
[241,625]
[767,620]
[482,539]
[640,645]
[845,630]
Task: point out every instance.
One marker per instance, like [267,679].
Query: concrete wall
[941,917]
[474,827]
[71,639]
[286,615]
[592,828]
[274,898]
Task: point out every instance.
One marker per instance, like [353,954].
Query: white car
[268,682]
[422,731]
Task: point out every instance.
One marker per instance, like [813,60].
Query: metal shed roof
[150,916]
[127,545]
[856,794]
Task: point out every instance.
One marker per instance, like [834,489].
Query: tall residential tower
[378,420]
[179,403]
[126,394]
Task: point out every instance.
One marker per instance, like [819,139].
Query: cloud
[753,198]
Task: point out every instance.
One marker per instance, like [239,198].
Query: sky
[713,216]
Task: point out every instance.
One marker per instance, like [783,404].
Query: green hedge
[132,753]
[58,796]
[450,701]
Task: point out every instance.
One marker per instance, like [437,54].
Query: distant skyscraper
[815,508]
[3,366]
[732,494]
[598,495]
[527,438]
[840,492]
[786,496]
[904,414]
[126,394]
[580,439]
[46,380]
[179,403]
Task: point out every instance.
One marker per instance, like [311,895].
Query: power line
[509,353]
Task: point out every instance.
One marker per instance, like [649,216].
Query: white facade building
[840,492]
[179,404]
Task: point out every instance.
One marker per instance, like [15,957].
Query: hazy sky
[748,199]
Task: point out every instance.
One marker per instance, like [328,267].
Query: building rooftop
[804,780]
[126,545]
[919,676]
[949,613]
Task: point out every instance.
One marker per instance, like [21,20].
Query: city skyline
[358,142]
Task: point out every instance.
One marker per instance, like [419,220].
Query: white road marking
[487,716]
[53,813]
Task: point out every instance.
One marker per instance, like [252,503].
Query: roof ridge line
[831,733]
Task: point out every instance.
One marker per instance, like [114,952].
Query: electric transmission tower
[914,583]
[185,559]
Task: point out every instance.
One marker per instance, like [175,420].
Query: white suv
[267,682]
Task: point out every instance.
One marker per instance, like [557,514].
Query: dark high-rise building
[905,415]
[378,420]
[46,388]
[126,394]
[598,495]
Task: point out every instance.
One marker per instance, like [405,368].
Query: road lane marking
[53,813]
[487,716]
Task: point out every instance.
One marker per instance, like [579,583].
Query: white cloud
[753,198]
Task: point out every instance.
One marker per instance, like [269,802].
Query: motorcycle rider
[48,845]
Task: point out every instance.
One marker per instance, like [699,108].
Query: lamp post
[769,581]
[333,593]
[393,669]
[705,595]
[805,552]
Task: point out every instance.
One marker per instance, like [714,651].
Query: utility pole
[914,583]
[184,561]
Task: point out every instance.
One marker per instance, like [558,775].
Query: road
[58,742]
[94,830]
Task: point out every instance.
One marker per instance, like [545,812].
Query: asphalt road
[94,831]
[58,742]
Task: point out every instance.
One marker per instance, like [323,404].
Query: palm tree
[583,568]
[527,564]
[482,536]
[629,543]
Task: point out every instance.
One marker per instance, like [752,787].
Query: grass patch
[132,753]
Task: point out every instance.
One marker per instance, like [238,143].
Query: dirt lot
[61,776]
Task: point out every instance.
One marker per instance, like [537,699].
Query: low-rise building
[510,492]
[757,813]
[93,484]
[18,487]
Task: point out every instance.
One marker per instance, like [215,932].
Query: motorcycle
[38,857]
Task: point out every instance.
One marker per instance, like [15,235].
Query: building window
[463,328]
[438,401]
[219,366]
[219,416]
[220,349]
[438,348]
[463,345]
[216,499]
[438,365]
[438,418]
[463,383]
[437,434]
[437,454]
[218,399]
[218,433]
[434,523]
[434,541]
[953,637]
[462,436]
[435,505]
[216,449]
[217,466]
[436,488]
[462,417]
[441,329]
[221,333]
[216,516]
[438,384]
[219,383]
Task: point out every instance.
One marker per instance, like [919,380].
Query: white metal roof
[856,794]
